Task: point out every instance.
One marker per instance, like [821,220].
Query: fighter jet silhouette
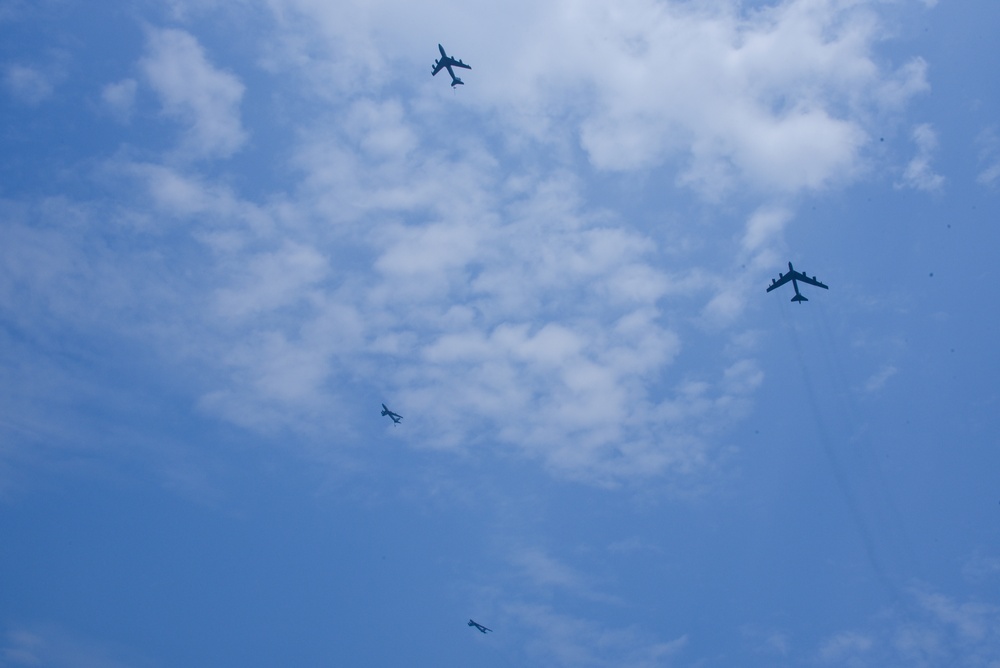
[447,62]
[482,629]
[395,417]
[794,277]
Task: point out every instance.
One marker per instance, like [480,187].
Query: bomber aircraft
[794,277]
[482,629]
[395,417]
[447,62]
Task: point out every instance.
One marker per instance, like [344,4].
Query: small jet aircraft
[395,417]
[482,629]
[447,62]
[794,277]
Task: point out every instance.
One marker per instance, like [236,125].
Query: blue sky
[231,230]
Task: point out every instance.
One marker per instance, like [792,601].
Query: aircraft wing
[810,281]
[459,63]
[438,66]
[782,280]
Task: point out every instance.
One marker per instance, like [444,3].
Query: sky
[230,231]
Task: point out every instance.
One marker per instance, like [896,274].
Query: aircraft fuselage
[447,62]
[795,276]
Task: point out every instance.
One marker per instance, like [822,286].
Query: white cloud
[29,85]
[557,639]
[765,223]
[973,621]
[59,269]
[171,193]
[271,280]
[990,176]
[773,98]
[757,99]
[544,571]
[980,567]
[838,648]
[908,80]
[479,283]
[49,645]
[203,98]
[938,631]
[766,641]
[879,379]
[726,306]
[918,173]
[119,98]
[989,157]
[530,305]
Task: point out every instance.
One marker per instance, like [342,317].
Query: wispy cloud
[973,621]
[489,296]
[119,98]
[493,293]
[27,84]
[989,157]
[759,100]
[931,629]
[202,97]
[981,567]
[766,641]
[563,640]
[918,173]
[545,571]
[632,545]
[879,379]
[771,98]
[48,645]
[546,574]
[764,224]
[844,645]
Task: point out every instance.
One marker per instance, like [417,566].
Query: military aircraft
[482,629]
[447,62]
[395,417]
[794,277]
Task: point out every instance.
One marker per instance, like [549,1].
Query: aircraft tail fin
[799,298]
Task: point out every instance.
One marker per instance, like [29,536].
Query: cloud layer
[202,97]
[409,241]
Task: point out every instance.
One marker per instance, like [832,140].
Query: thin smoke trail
[863,448]
[838,472]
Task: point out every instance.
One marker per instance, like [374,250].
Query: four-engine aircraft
[794,277]
[447,62]
[395,417]
[482,629]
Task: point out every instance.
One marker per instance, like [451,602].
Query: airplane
[448,62]
[794,277]
[482,629]
[395,417]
